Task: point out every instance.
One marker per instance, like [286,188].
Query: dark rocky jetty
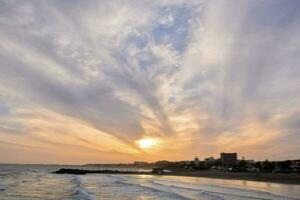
[106,171]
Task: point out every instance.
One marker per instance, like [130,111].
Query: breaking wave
[229,191]
[80,192]
[171,193]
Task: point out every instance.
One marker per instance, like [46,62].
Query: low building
[295,166]
[228,159]
[250,162]
[196,161]
[158,170]
[209,160]
[140,163]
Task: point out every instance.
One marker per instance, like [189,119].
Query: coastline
[284,178]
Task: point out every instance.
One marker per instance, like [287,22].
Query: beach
[38,182]
[287,178]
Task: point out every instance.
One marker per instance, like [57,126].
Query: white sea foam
[219,192]
[83,194]
[80,191]
[172,194]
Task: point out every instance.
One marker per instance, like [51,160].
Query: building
[196,161]
[158,170]
[140,163]
[209,160]
[295,166]
[228,159]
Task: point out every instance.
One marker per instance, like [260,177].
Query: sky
[89,81]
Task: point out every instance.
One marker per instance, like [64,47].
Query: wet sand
[287,178]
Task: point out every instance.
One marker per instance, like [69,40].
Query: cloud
[204,76]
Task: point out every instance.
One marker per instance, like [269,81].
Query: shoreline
[290,178]
[284,178]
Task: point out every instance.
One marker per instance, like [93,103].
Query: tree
[258,165]
[242,164]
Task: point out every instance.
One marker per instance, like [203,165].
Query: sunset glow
[147,143]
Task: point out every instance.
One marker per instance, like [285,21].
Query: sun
[146,143]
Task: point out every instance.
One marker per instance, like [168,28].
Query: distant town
[227,166]
[228,162]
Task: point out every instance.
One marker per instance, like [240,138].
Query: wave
[212,196]
[220,187]
[171,193]
[220,195]
[80,192]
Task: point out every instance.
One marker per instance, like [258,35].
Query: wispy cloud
[203,76]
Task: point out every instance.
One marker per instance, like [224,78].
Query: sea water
[37,182]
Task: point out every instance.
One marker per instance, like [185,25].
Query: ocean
[28,182]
